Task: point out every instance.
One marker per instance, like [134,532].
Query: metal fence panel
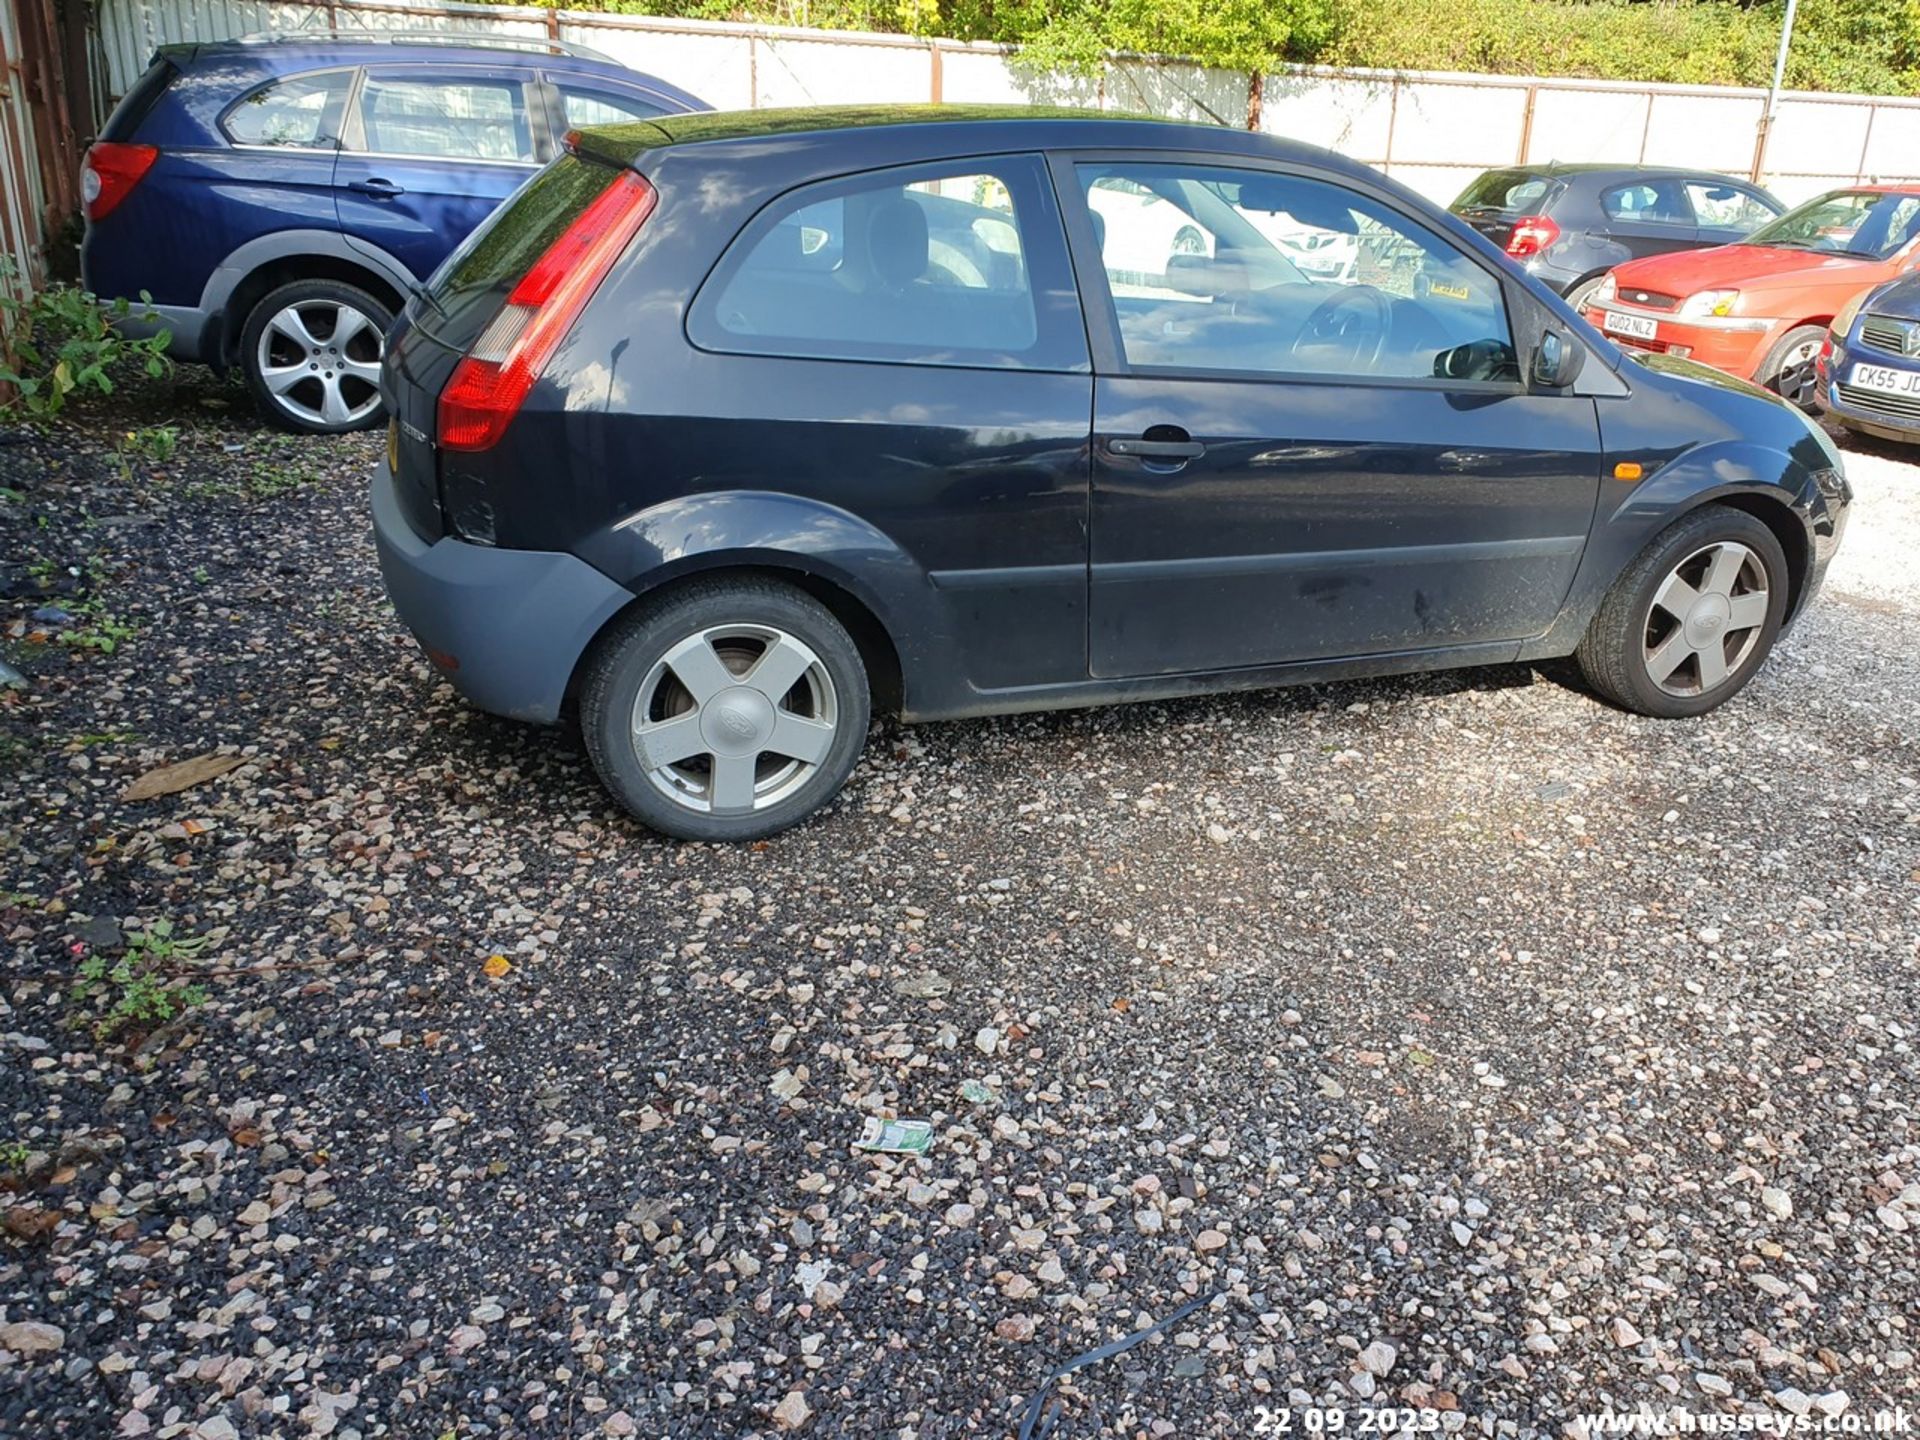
[1431,130]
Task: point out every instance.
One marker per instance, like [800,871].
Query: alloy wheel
[734,719]
[1706,619]
[320,361]
[1798,376]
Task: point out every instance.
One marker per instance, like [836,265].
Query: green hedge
[1870,46]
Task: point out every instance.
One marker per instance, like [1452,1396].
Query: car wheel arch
[265,264]
[1772,507]
[879,651]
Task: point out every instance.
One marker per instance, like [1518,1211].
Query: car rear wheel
[1690,621]
[1789,369]
[311,352]
[730,711]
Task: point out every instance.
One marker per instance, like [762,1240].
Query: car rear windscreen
[1513,192]
[123,124]
[504,246]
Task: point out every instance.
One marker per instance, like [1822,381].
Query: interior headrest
[1099,231]
[897,240]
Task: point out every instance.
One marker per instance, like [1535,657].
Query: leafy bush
[1869,46]
[63,339]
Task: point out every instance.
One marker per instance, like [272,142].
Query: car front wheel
[1688,623]
[311,353]
[1790,369]
[730,711]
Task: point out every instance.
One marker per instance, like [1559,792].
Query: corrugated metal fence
[23,195]
[1434,131]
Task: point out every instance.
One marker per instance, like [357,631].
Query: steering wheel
[1348,329]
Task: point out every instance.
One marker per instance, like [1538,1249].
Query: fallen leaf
[496,966]
[29,1223]
[171,779]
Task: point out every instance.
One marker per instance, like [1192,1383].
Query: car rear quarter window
[466,118]
[583,107]
[1648,202]
[931,265]
[304,111]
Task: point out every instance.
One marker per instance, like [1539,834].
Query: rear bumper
[505,627]
[190,326]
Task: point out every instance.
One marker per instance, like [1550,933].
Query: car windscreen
[1513,192]
[1868,224]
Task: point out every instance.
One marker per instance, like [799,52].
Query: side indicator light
[1627,470]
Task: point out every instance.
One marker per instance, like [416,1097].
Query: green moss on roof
[621,143]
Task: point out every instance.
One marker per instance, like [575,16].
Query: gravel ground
[1477,1047]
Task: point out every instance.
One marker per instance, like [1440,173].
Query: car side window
[599,107]
[1239,270]
[927,265]
[1727,207]
[303,110]
[1659,202]
[446,119]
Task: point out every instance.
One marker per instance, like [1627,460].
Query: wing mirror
[1556,360]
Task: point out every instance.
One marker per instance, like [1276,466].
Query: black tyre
[1691,620]
[729,711]
[1789,366]
[1578,296]
[311,354]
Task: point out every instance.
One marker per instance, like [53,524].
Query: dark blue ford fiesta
[731,428]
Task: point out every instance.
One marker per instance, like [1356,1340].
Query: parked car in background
[724,432]
[1570,224]
[280,197]
[1869,366]
[1760,309]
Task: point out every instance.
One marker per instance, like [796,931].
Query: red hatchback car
[1759,309]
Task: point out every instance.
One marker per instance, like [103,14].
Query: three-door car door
[1291,468]
[905,344]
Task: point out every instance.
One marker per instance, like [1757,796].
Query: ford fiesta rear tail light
[111,172]
[488,385]
[1531,234]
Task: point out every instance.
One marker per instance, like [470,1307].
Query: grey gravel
[1483,1048]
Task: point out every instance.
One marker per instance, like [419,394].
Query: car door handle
[1158,449]
[379,189]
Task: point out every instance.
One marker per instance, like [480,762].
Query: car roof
[265,56]
[1558,168]
[953,128]
[278,54]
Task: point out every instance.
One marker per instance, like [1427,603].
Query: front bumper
[1890,418]
[506,627]
[1737,347]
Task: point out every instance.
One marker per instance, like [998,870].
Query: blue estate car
[1869,368]
[731,429]
[280,197]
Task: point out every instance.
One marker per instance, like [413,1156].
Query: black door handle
[1158,449]
[379,189]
